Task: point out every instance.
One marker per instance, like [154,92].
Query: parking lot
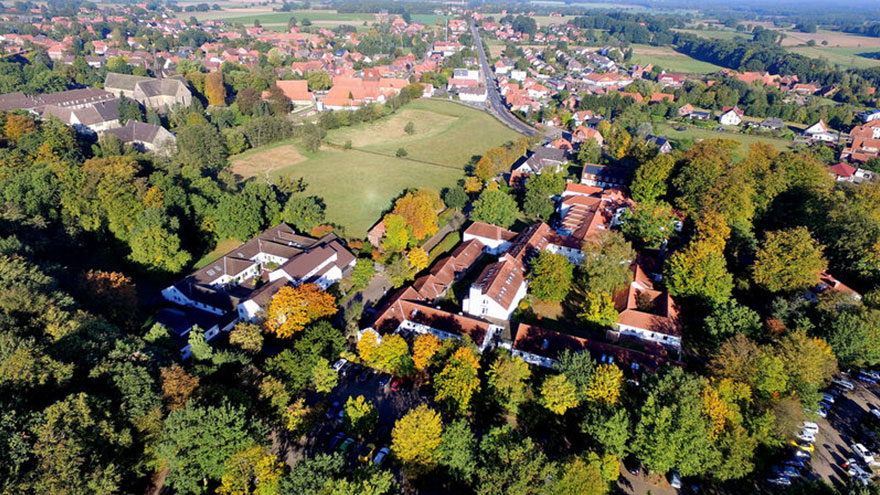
[841,430]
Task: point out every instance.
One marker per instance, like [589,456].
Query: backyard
[698,133]
[358,184]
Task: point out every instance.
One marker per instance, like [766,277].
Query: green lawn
[698,133]
[220,249]
[715,34]
[846,56]
[671,60]
[359,184]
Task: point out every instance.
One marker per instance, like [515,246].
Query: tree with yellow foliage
[367,346]
[295,415]
[215,91]
[17,126]
[361,415]
[293,308]
[558,394]
[251,471]
[397,233]
[605,384]
[392,355]
[416,437]
[418,258]
[473,185]
[425,347]
[459,379]
[598,308]
[419,210]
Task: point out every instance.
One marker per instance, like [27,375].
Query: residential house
[731,116]
[820,132]
[772,124]
[645,313]
[145,137]
[150,92]
[498,290]
[296,91]
[843,172]
[585,211]
[829,282]
[604,176]
[658,97]
[865,143]
[495,240]
[582,134]
[536,162]
[671,80]
[89,119]
[663,145]
[473,94]
[231,283]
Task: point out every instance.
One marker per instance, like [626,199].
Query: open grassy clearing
[697,133]
[834,39]
[671,60]
[847,57]
[359,184]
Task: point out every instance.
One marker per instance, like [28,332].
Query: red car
[396,384]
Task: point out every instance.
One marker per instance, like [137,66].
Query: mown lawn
[671,60]
[698,133]
[359,184]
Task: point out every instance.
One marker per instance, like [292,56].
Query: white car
[339,364]
[807,436]
[863,454]
[875,412]
[828,398]
[845,384]
[857,472]
[810,427]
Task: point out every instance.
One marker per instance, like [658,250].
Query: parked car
[381,456]
[355,370]
[875,412]
[802,454]
[805,446]
[346,445]
[337,440]
[367,452]
[331,411]
[806,437]
[872,374]
[867,376]
[845,384]
[779,480]
[632,465]
[828,398]
[810,427]
[337,366]
[674,479]
[796,463]
[857,472]
[789,471]
[395,385]
[346,369]
[365,375]
[863,454]
[384,380]
[823,411]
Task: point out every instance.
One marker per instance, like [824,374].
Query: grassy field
[846,56]
[220,249]
[359,184]
[714,34]
[671,60]
[696,133]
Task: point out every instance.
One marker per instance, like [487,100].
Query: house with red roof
[731,116]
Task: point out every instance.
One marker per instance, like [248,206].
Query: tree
[730,318]
[419,210]
[155,244]
[457,450]
[416,437]
[651,178]
[550,277]
[580,477]
[197,440]
[648,224]
[607,260]
[409,128]
[247,99]
[809,362]
[788,260]
[578,367]
[293,308]
[496,208]
[311,474]
[418,258]
[589,152]
[598,308]
[215,91]
[251,471]
[361,415]
[507,377]
[540,189]
[318,80]
[177,386]
[425,347]
[699,271]
[455,197]
[304,213]
[295,414]
[201,146]
[459,380]
[17,126]
[511,465]
[558,394]
[362,274]
[401,152]
[247,336]
[324,376]
[605,384]
[279,103]
[397,233]
[110,293]
[392,355]
[247,213]
[855,336]
[609,427]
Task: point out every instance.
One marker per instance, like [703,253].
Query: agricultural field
[698,133]
[714,34]
[358,184]
[671,60]
[845,56]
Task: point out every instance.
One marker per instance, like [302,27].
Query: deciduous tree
[457,450]
[507,378]
[251,471]
[293,308]
[459,380]
[550,277]
[605,384]
[699,271]
[177,386]
[418,258]
[361,415]
[495,207]
[215,91]
[788,260]
[558,394]
[247,336]
[425,347]
[415,438]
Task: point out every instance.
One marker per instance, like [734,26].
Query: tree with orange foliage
[17,126]
[214,89]
[293,308]
[419,211]
[424,348]
[177,386]
[111,294]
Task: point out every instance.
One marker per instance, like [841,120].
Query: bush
[401,153]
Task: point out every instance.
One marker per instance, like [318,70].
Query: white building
[498,290]
[731,116]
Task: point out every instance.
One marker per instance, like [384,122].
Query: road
[495,103]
